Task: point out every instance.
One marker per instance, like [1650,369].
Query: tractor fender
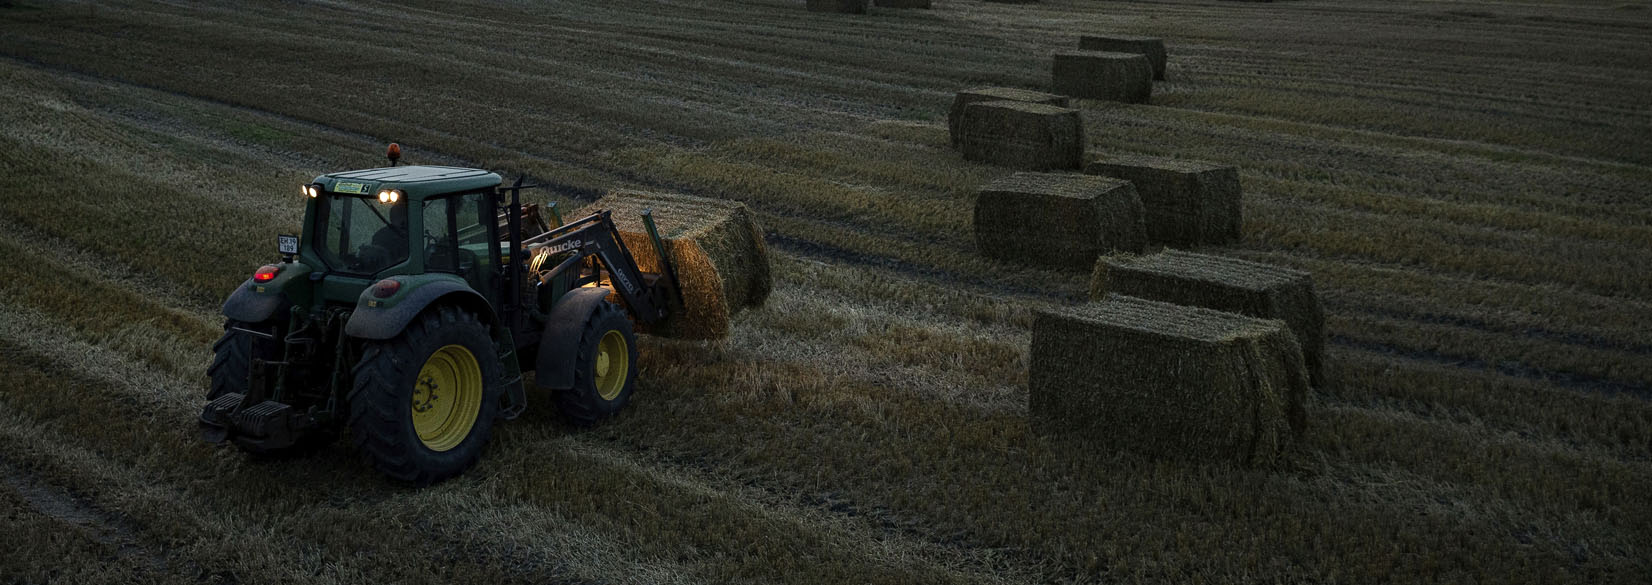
[376,318]
[256,302]
[247,306]
[559,346]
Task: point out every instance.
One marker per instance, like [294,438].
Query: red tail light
[266,274]
[385,288]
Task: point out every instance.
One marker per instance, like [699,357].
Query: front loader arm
[648,296]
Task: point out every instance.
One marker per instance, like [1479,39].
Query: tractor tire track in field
[64,506]
[96,82]
[1489,326]
[370,145]
[1511,368]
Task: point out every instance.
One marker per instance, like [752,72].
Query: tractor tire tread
[376,395]
[577,403]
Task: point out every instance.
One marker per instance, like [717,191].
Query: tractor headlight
[310,190]
[390,196]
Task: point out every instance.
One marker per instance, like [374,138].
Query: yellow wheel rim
[613,365]
[447,397]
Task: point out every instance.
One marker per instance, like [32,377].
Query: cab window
[456,238]
[361,235]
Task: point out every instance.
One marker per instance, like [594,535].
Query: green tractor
[408,312]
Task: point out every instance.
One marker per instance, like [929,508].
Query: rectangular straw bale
[902,3]
[1167,380]
[1058,220]
[716,246]
[1033,137]
[964,98]
[1152,47]
[840,6]
[1101,75]
[1188,202]
[1224,284]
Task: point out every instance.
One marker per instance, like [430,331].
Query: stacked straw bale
[960,103]
[1152,47]
[1224,284]
[1101,75]
[716,247]
[903,3]
[1167,380]
[842,6]
[1188,202]
[1033,137]
[1058,220]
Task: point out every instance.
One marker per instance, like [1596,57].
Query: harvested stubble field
[1467,181]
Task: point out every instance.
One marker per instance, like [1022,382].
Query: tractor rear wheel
[605,369]
[424,402]
[232,363]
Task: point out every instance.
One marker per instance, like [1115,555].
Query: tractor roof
[417,182]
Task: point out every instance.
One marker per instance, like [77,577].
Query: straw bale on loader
[716,246]
[1119,77]
[1224,284]
[1033,137]
[1059,220]
[1167,380]
[955,118]
[1188,202]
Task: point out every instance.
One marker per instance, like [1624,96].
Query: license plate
[287,244]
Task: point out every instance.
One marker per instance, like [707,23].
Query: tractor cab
[371,224]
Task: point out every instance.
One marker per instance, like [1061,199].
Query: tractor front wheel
[605,369]
[424,402]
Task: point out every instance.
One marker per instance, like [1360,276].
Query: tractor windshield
[359,235]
